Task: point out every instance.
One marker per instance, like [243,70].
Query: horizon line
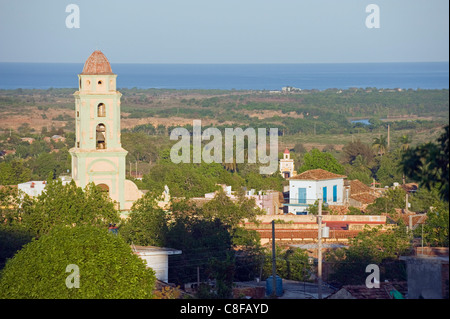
[233,63]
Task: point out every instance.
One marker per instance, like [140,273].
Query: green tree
[50,163]
[435,229]
[291,264]
[12,239]
[231,212]
[423,199]
[199,238]
[354,150]
[147,223]
[389,170]
[108,269]
[405,142]
[13,173]
[380,144]
[429,164]
[371,246]
[317,159]
[67,205]
[391,199]
[183,180]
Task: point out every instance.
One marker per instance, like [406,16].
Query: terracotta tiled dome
[97,63]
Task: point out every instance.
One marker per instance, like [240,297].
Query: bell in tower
[101,137]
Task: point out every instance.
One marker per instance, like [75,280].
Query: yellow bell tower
[98,155]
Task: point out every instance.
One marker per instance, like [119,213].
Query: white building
[309,186]
[32,188]
[35,188]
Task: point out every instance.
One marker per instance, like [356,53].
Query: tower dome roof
[286,151]
[97,63]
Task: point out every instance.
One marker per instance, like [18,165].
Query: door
[324,192]
[335,193]
[302,195]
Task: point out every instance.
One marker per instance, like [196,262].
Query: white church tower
[287,165]
[98,155]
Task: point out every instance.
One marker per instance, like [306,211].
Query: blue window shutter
[302,195]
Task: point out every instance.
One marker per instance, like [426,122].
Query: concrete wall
[325,218]
[425,277]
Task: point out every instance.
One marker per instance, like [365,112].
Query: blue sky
[225,31]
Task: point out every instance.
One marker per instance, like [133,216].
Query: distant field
[314,119]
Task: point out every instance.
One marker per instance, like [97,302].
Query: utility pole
[319,253]
[389,137]
[274,263]
[422,239]
[198,277]
[406,202]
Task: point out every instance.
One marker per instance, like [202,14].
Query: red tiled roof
[362,292]
[97,63]
[410,187]
[364,198]
[317,174]
[358,187]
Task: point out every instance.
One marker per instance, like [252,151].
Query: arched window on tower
[103,188]
[101,110]
[101,136]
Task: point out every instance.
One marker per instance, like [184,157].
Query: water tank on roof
[279,286]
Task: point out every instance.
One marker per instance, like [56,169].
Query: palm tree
[380,144]
[360,162]
[405,141]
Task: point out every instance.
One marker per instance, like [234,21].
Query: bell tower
[98,155]
[287,165]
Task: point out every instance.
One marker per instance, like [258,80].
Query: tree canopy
[67,205]
[317,159]
[108,269]
[429,164]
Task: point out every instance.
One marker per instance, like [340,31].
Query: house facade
[306,188]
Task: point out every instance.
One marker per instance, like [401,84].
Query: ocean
[432,75]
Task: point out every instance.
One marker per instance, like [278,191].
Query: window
[302,195]
[101,136]
[324,193]
[335,193]
[99,82]
[103,188]
[101,110]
